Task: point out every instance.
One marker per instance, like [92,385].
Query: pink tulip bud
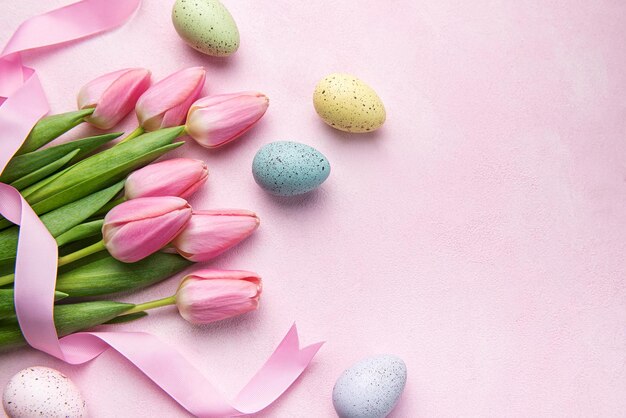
[211,232]
[113,95]
[212,295]
[215,120]
[137,228]
[176,177]
[166,103]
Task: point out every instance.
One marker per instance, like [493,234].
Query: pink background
[480,234]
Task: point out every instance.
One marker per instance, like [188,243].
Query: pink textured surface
[480,234]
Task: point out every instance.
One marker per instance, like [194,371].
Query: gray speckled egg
[286,168]
[348,104]
[370,388]
[42,392]
[207,26]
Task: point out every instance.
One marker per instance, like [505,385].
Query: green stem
[8,279]
[138,131]
[92,249]
[171,300]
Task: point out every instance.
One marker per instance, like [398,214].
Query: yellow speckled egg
[348,104]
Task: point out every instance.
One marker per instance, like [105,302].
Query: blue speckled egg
[286,168]
[370,388]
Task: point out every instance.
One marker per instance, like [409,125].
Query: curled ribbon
[22,104]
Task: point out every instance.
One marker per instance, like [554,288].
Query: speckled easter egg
[42,392]
[206,25]
[370,388]
[287,168]
[348,104]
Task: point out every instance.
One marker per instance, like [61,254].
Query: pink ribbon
[22,104]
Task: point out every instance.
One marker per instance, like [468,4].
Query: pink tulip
[211,232]
[113,95]
[137,228]
[215,120]
[212,295]
[176,177]
[166,103]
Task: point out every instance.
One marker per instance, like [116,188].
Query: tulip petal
[210,233]
[90,93]
[216,120]
[132,242]
[176,177]
[120,98]
[166,102]
[212,295]
[137,228]
[216,99]
[147,207]
[113,95]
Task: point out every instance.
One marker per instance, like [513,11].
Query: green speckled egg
[206,25]
[286,168]
[348,104]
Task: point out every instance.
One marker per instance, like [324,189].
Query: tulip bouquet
[122,223]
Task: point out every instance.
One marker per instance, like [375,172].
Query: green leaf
[30,190]
[70,215]
[77,316]
[6,301]
[61,219]
[21,165]
[51,127]
[7,267]
[108,275]
[81,231]
[44,171]
[68,319]
[97,182]
[109,163]
[122,319]
[38,186]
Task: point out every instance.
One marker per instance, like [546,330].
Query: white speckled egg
[348,104]
[370,388]
[207,26]
[42,392]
